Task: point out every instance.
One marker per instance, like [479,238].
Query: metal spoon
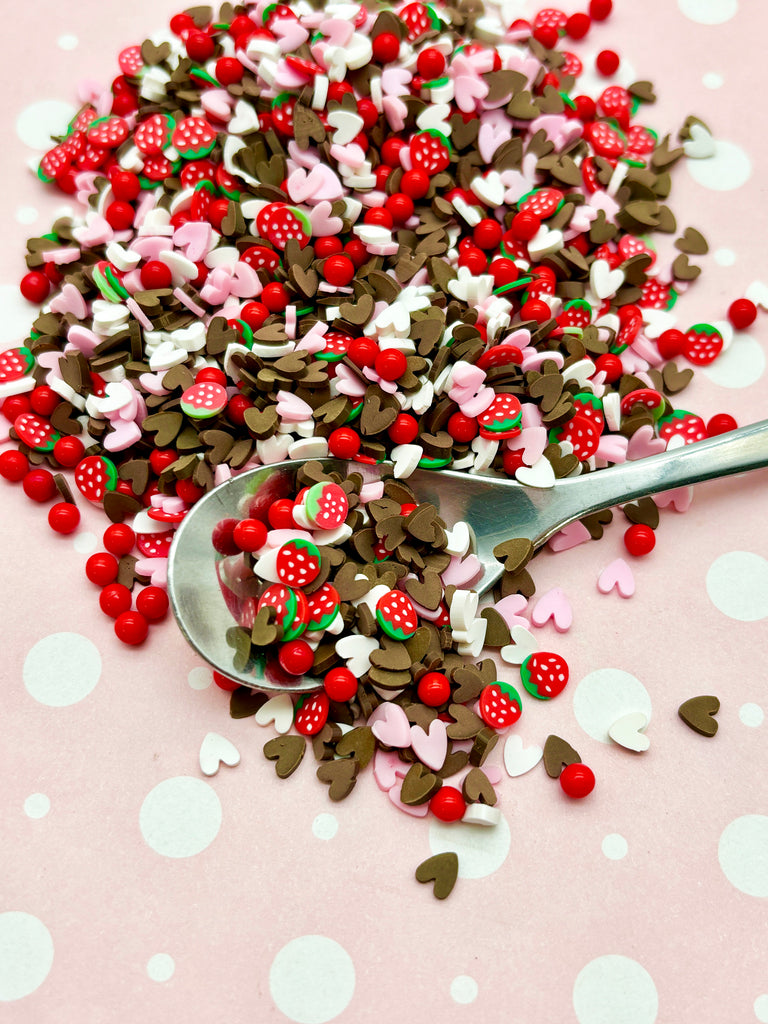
[496,508]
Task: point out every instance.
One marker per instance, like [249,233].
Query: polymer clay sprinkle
[399,235]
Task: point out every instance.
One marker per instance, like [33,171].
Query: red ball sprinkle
[162,458]
[254,314]
[404,430]
[448,804]
[524,226]
[14,465]
[607,62]
[280,514]
[415,183]
[742,313]
[15,405]
[119,215]
[152,603]
[547,35]
[102,568]
[338,270]
[600,9]
[386,47]
[63,517]
[400,207]
[296,657]
[275,297]
[721,423]
[43,400]
[35,286]
[577,780]
[363,352]
[119,539]
[578,25]
[340,684]
[344,443]
[229,70]
[430,63]
[671,343]
[155,274]
[487,234]
[189,491]
[131,628]
[200,46]
[115,599]
[434,689]
[390,364]
[639,539]
[326,247]
[125,185]
[225,683]
[250,535]
[462,428]
[39,485]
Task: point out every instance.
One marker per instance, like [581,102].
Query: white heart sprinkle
[216,750]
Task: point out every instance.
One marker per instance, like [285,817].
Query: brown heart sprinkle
[698,713]
[442,870]
[287,752]
[306,325]
[558,753]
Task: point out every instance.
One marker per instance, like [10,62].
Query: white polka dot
[741,365]
[160,967]
[85,542]
[737,584]
[18,316]
[312,979]
[325,826]
[604,696]
[751,715]
[728,168]
[200,678]
[615,990]
[61,669]
[712,80]
[26,954]
[760,1007]
[743,854]
[37,805]
[615,846]
[180,817]
[67,42]
[26,215]
[724,257]
[481,851]
[39,121]
[464,989]
[708,12]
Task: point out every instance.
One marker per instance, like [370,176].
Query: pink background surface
[550,904]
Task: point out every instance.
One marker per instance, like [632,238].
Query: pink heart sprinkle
[643,443]
[390,725]
[415,810]
[323,224]
[69,300]
[511,609]
[553,605]
[387,769]
[430,747]
[570,537]
[680,499]
[619,575]
[462,571]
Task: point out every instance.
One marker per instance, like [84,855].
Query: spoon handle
[734,452]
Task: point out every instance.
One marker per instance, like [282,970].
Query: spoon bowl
[496,509]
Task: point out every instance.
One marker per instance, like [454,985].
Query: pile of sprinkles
[385,234]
